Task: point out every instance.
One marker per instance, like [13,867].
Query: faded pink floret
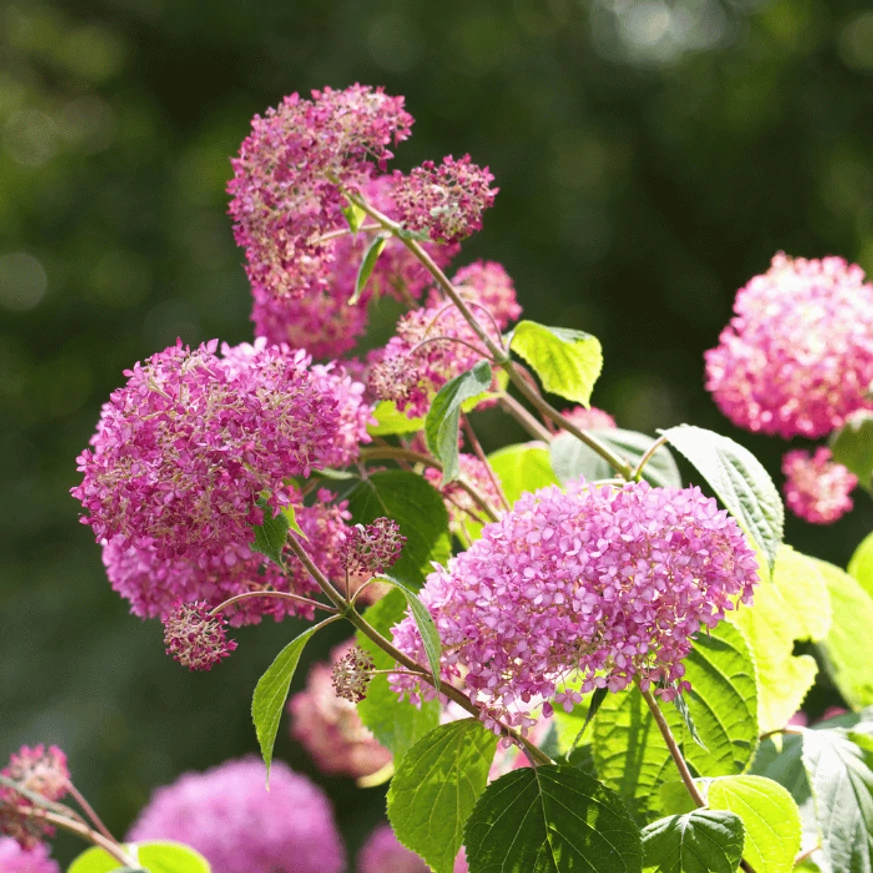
[330,728]
[460,505]
[589,419]
[601,583]
[817,488]
[447,201]
[323,321]
[186,448]
[486,285]
[290,174]
[14,859]
[196,638]
[228,816]
[797,358]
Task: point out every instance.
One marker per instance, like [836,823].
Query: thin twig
[280,595]
[477,449]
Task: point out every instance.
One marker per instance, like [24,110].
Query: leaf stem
[89,811]
[90,835]
[477,449]
[511,406]
[638,470]
[280,595]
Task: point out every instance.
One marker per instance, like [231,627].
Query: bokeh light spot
[23,281]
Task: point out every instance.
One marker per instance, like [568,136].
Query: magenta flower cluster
[589,419]
[228,816]
[14,859]
[596,587]
[196,638]
[797,358]
[383,853]
[817,488]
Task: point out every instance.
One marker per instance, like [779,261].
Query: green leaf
[629,752]
[568,362]
[848,646]
[524,467]
[852,446]
[430,636]
[155,857]
[96,860]
[355,216]
[770,817]
[739,480]
[551,820]
[441,426]
[271,536]
[840,774]
[571,458]
[396,724]
[390,420]
[790,606]
[271,692]
[702,841]
[861,565]
[435,788]
[367,265]
[419,510]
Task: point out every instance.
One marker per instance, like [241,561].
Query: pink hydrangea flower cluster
[383,853]
[186,448]
[330,728]
[589,419]
[486,285]
[195,638]
[817,488]
[797,358]
[289,176]
[228,816]
[14,859]
[604,584]
[323,321]
[447,201]
[461,507]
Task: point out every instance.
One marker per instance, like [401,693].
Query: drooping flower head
[817,488]
[14,859]
[447,201]
[228,816]
[797,358]
[329,726]
[606,584]
[286,189]
[195,638]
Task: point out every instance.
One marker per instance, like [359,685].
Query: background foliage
[652,156]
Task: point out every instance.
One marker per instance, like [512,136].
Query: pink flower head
[424,355]
[195,638]
[323,321]
[460,505]
[40,770]
[606,584]
[447,201]
[186,448]
[14,859]
[817,488]
[383,853]
[290,174]
[330,728]
[797,358]
[590,419]
[228,816]
[486,285]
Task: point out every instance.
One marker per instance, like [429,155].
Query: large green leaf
[740,481]
[861,565]
[441,425]
[524,467]
[271,692]
[435,788]
[419,510]
[702,841]
[852,446]
[792,605]
[551,820]
[389,420]
[848,645]
[571,458]
[396,724]
[568,362]
[840,774]
[770,817]
[155,857]
[630,753]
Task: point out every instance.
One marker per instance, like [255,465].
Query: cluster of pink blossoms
[228,816]
[383,853]
[797,358]
[14,859]
[817,488]
[589,419]
[597,584]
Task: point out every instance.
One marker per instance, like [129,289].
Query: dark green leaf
[568,362]
[572,458]
[367,265]
[268,701]
[702,841]
[738,479]
[521,468]
[551,820]
[441,425]
[852,446]
[270,537]
[435,788]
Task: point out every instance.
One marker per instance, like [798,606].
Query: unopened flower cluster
[597,584]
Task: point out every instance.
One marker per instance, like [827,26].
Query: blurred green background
[652,155]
